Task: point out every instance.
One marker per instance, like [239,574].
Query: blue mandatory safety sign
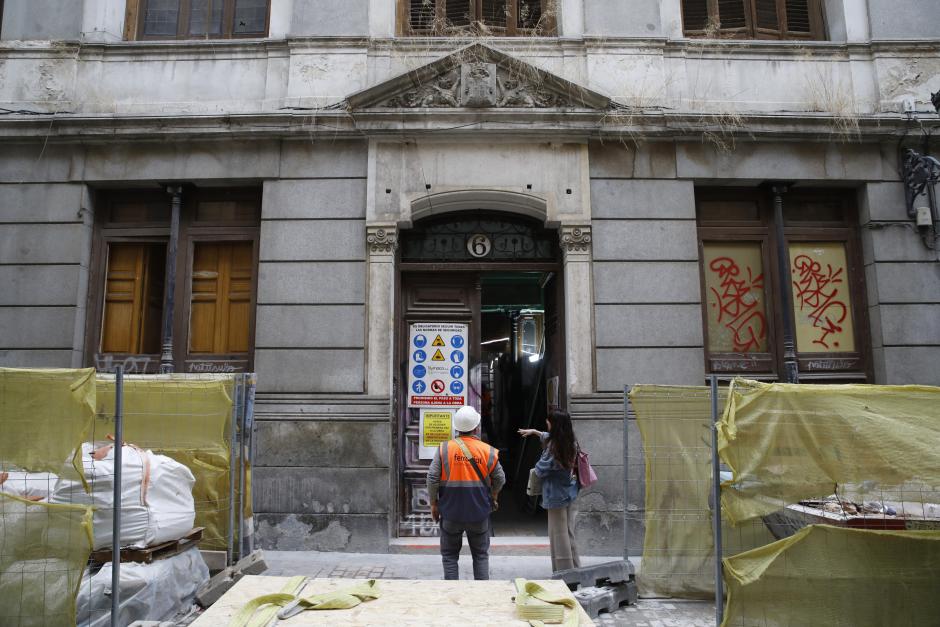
[456,387]
[419,371]
[456,357]
[420,341]
[457,341]
[419,387]
[419,356]
[456,372]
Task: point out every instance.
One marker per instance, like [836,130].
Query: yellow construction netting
[44,549]
[786,443]
[189,421]
[44,417]
[678,545]
[827,575]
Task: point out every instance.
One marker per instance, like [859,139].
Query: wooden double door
[456,296]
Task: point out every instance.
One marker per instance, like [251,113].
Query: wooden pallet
[151,553]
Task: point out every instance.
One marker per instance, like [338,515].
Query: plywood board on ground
[403,602]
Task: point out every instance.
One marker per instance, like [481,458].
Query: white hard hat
[466,419]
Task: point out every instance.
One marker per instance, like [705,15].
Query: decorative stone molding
[575,239]
[382,240]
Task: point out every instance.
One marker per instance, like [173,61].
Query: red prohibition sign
[437,386]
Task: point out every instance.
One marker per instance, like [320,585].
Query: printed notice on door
[437,364]
[436,428]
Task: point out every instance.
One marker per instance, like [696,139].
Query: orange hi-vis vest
[463,497]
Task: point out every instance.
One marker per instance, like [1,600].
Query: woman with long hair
[556,468]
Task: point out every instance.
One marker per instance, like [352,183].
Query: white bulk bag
[156,496]
[34,486]
[156,591]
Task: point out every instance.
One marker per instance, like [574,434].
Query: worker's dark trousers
[478,537]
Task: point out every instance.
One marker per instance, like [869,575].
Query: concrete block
[36,358]
[642,198]
[182,161]
[620,571]
[321,490]
[39,285]
[310,326]
[648,325]
[617,367]
[42,243]
[907,283]
[330,18]
[645,240]
[309,370]
[251,564]
[37,327]
[41,19]
[911,325]
[897,242]
[311,283]
[883,201]
[912,365]
[323,532]
[313,240]
[650,160]
[606,599]
[646,282]
[794,161]
[332,444]
[218,585]
[37,162]
[303,159]
[314,198]
[215,560]
[40,203]
[622,18]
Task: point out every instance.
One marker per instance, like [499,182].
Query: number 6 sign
[479,245]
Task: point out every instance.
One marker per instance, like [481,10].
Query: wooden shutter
[494,13]
[421,14]
[694,15]
[459,12]
[220,313]
[804,19]
[133,301]
[732,16]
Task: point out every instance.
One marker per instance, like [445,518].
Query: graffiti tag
[738,304]
[818,297]
[132,364]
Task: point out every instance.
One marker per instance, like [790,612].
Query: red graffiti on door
[738,303]
[818,297]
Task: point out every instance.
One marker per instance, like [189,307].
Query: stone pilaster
[381,245]
[579,306]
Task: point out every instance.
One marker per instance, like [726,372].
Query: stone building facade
[313,152]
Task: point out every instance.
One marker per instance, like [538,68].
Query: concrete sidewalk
[646,613]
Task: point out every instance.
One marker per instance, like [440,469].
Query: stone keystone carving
[576,239]
[382,239]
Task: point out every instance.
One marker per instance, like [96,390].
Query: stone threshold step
[499,545]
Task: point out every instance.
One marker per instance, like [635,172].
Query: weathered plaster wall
[42,19]
[911,19]
[330,17]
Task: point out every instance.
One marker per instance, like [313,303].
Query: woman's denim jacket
[559,486]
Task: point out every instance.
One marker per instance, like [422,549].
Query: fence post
[232,450]
[118,492]
[716,508]
[626,479]
[250,383]
[242,416]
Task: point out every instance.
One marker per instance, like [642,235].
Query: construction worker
[464,481]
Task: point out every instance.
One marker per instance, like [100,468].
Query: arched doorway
[496,277]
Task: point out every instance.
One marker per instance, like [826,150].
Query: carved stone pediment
[477,77]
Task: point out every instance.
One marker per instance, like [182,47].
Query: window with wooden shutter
[220,313]
[213,300]
[742,290]
[753,19]
[500,17]
[196,19]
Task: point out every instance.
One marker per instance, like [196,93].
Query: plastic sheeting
[189,421]
[826,575]
[678,545]
[785,443]
[156,591]
[156,496]
[45,415]
[43,551]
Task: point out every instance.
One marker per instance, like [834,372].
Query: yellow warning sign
[438,341]
[438,356]
[436,428]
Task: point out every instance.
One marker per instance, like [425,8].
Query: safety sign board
[437,426]
[437,369]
